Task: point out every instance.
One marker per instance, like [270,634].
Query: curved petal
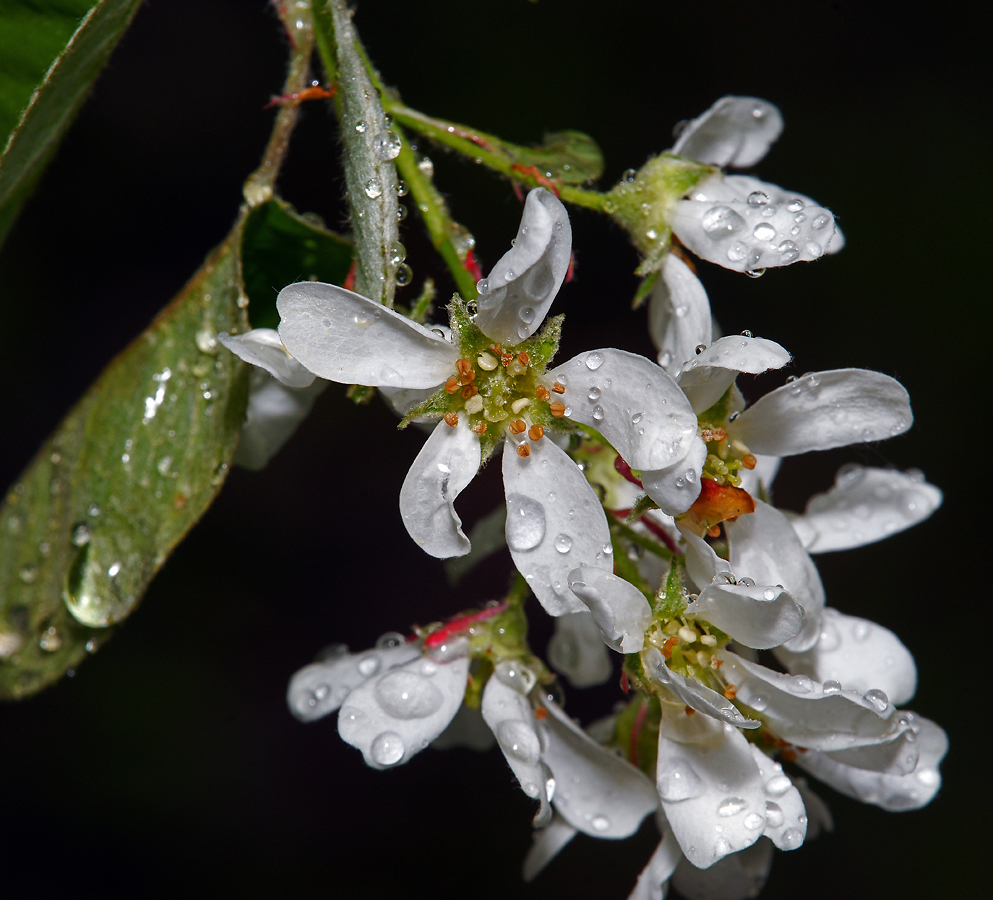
[446,464]
[654,877]
[554,523]
[397,714]
[596,791]
[705,377]
[679,317]
[785,815]
[344,337]
[758,616]
[676,487]
[545,846]
[740,876]
[632,402]
[865,505]
[703,565]
[804,713]
[262,347]
[619,609]
[824,410]
[735,132]
[892,792]
[319,689]
[859,654]
[576,649]
[764,547]
[760,479]
[712,795]
[744,224]
[898,756]
[693,694]
[515,296]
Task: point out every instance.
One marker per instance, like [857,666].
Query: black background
[170,764]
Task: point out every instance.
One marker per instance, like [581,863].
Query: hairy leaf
[568,156]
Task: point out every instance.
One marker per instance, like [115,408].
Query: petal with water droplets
[676,487]
[706,376]
[619,609]
[758,616]
[576,649]
[785,815]
[735,877]
[679,317]
[262,347]
[735,132]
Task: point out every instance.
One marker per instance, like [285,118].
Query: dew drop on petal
[802,684]
[407,695]
[594,360]
[563,543]
[778,785]
[759,702]
[516,676]
[637,417]
[525,522]
[877,699]
[368,666]
[737,252]
[764,232]
[754,821]
[722,847]
[769,594]
[389,640]
[373,188]
[774,814]
[820,222]
[720,222]
[598,413]
[519,741]
[731,806]
[677,780]
[791,839]
[832,687]
[527,315]
[758,198]
[600,823]
[594,393]
[387,748]
[795,205]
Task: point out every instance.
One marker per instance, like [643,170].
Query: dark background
[170,764]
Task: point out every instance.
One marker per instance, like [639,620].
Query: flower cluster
[639,513]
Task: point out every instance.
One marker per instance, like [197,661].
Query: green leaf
[279,247]
[568,156]
[126,474]
[51,52]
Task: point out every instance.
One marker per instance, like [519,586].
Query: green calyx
[642,203]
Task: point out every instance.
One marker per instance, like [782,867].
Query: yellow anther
[523,358]
[479,427]
[452,385]
[470,390]
[749,461]
[518,405]
[709,640]
[731,692]
[487,361]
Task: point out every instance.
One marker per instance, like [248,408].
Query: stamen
[505,358]
[558,387]
[730,692]
[739,447]
[713,434]
[517,426]
[452,419]
[464,368]
[515,367]
[749,461]
[709,640]
[474,405]
[542,393]
[470,390]
[541,713]
[690,711]
[452,385]
[487,361]
[557,409]
[519,404]
[480,427]
[687,634]
[523,358]
[536,432]
[524,450]
[668,646]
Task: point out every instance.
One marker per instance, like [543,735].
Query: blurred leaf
[279,246]
[126,474]
[568,156]
[51,52]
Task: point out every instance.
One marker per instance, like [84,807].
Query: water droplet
[594,360]
[407,695]
[758,198]
[877,699]
[28,574]
[563,543]
[594,393]
[755,273]
[791,839]
[519,741]
[778,785]
[397,254]
[600,823]
[206,341]
[754,821]
[629,175]
[373,188]
[515,675]
[759,702]
[720,222]
[731,806]
[690,476]
[386,145]
[763,232]
[525,522]
[789,251]
[860,630]
[527,315]
[368,665]
[802,684]
[404,274]
[820,222]
[737,252]
[795,205]
[360,127]
[774,814]
[164,465]
[389,640]
[722,847]
[677,780]
[831,686]
[598,413]
[50,640]
[387,748]
[770,594]
[482,286]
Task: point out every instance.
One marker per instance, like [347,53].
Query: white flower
[491,394]
[737,221]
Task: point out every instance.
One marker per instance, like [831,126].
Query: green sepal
[670,601]
[543,346]
[645,288]
[642,505]
[360,394]
[434,407]
[467,335]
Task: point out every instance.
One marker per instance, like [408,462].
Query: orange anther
[558,387]
[714,532]
[505,358]
[542,393]
[524,450]
[517,426]
[479,427]
[523,358]
[713,434]
[465,370]
[557,409]
[541,713]
[470,390]
[690,710]
[730,692]
[452,419]
[452,385]
[536,432]
[668,646]
[749,461]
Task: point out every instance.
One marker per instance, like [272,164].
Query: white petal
[678,314]
[676,487]
[632,402]
[740,876]
[274,411]
[619,609]
[554,523]
[785,816]
[865,505]
[859,654]
[727,222]
[596,791]
[345,337]
[654,877]
[764,547]
[467,729]
[510,717]
[735,132]
[712,795]
[892,792]
[758,616]
[545,846]
[706,376]
[576,649]
[397,714]
[403,400]
[802,712]
[320,688]
[703,565]
[262,347]
[515,296]
[759,479]
[898,756]
[693,694]
[446,464]
[824,410]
